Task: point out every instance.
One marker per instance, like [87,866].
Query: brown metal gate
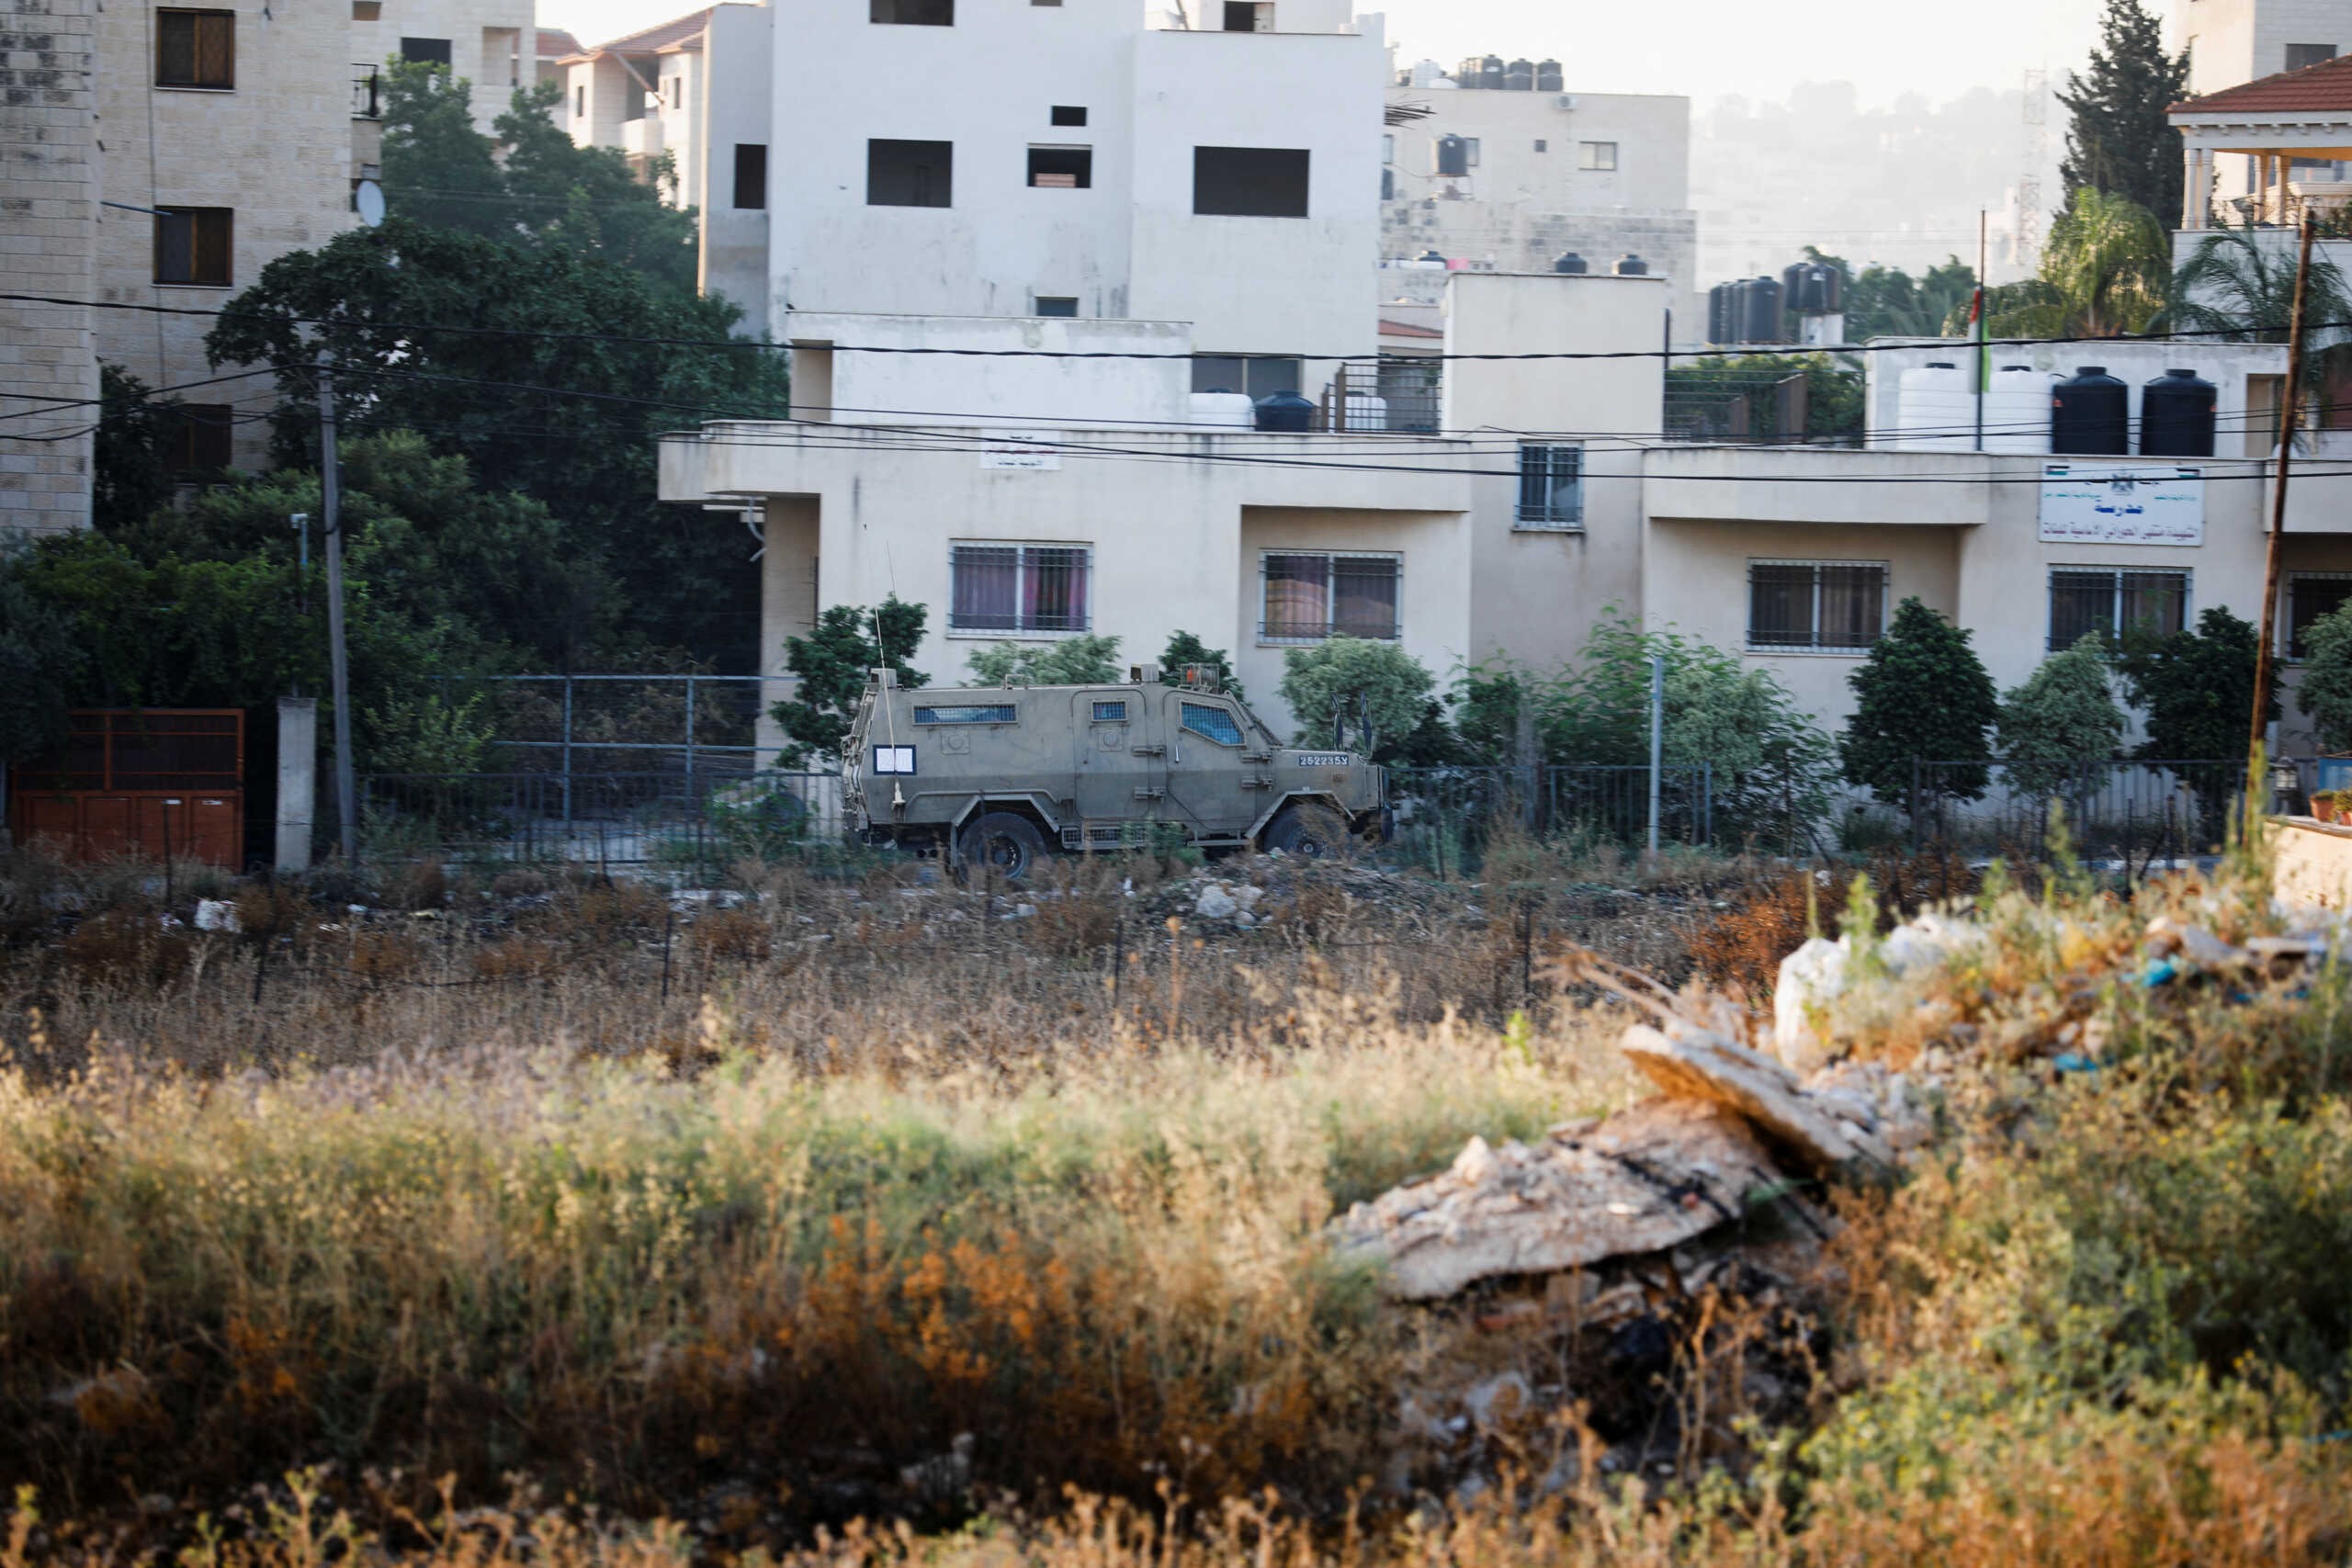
[147,782]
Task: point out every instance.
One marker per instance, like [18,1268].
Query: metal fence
[602,818]
[2117,810]
[1446,818]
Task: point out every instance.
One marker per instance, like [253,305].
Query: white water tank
[1935,409]
[2016,410]
[1367,411]
[1231,410]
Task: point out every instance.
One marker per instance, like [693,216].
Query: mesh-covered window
[1307,597]
[195,49]
[1019,588]
[2113,603]
[968,712]
[1815,606]
[1218,724]
[2310,595]
[1551,486]
[1110,713]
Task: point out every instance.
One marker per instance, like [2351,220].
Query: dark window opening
[580,102]
[909,174]
[431,51]
[751,174]
[2310,595]
[1061,168]
[1819,606]
[1056,305]
[1249,182]
[1542,146]
[200,439]
[2303,56]
[195,49]
[1259,376]
[1068,114]
[1248,16]
[2114,603]
[913,13]
[192,245]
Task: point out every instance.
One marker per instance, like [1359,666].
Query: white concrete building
[2229,41]
[1509,177]
[492,43]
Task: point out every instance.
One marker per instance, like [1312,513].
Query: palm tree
[2104,274]
[2235,289]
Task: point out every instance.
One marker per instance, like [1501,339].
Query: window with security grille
[1218,724]
[1018,587]
[968,712]
[193,245]
[1815,606]
[2310,595]
[2115,602]
[1307,596]
[195,49]
[1110,713]
[1551,486]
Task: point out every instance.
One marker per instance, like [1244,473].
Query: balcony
[367,93]
[643,138]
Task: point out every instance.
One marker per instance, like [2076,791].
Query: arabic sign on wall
[1020,451]
[2105,504]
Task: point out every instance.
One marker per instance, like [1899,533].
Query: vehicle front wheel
[1318,832]
[1002,845]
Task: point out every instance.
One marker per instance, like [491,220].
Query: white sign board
[1019,452]
[2104,504]
[894,758]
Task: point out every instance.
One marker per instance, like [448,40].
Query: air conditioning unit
[1568,101]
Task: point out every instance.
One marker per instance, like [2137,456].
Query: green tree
[34,661]
[2119,142]
[831,663]
[1833,390]
[2062,717]
[439,169]
[2325,692]
[1090,660]
[1922,693]
[129,472]
[551,375]
[1184,649]
[2104,274]
[2197,689]
[2234,289]
[1886,301]
[1356,679]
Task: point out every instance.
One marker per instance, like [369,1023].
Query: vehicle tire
[1316,832]
[1002,845]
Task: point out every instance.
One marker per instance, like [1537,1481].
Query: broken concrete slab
[1694,1064]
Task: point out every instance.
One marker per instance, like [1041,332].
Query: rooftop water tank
[1490,72]
[1813,289]
[1285,411]
[1519,76]
[2090,414]
[1934,411]
[1225,410]
[1426,73]
[1548,78]
[1759,311]
[1721,313]
[2016,410]
[1471,73]
[1568,261]
[2177,415]
[1631,266]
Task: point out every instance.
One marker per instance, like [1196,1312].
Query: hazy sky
[1702,48]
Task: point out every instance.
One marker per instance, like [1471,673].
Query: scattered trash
[216,915]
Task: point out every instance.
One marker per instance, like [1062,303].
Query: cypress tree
[1923,692]
[2120,141]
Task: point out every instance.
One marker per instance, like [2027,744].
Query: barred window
[1018,587]
[2310,595]
[969,713]
[1551,486]
[1110,713]
[2114,602]
[1217,723]
[1307,597]
[1799,607]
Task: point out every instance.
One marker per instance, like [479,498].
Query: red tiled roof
[685,29]
[1406,329]
[2324,89]
[556,42]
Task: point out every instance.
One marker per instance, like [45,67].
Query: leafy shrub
[1355,681]
[2061,717]
[1091,659]
[1921,695]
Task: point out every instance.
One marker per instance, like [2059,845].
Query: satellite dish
[368,197]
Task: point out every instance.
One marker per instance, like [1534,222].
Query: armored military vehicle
[994,776]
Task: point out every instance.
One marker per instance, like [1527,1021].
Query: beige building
[492,43]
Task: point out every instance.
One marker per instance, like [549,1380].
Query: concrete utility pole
[1658,736]
[2290,415]
[346,805]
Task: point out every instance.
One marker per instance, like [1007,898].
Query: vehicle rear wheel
[1002,845]
[1318,832]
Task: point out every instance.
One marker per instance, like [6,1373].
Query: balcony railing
[367,93]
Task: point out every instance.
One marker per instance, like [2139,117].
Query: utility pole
[2290,415]
[346,805]
[1977,321]
[1657,737]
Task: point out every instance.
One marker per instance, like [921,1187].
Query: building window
[1061,168]
[1815,606]
[2303,56]
[913,13]
[1248,16]
[2310,595]
[1018,587]
[1389,147]
[1056,305]
[677,92]
[1212,721]
[1249,182]
[192,245]
[1542,145]
[909,174]
[1258,375]
[199,442]
[195,49]
[1067,114]
[1599,155]
[2114,602]
[1551,486]
[1307,597]
[970,712]
[580,103]
[429,50]
[751,175]
[366,10]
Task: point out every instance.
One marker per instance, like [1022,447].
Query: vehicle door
[1217,776]
[1121,759]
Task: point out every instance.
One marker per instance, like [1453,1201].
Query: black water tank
[1568,261]
[1631,266]
[1490,72]
[1812,288]
[1285,411]
[1548,78]
[1519,76]
[2177,415]
[1761,311]
[1453,155]
[1721,314]
[2090,414]
[1437,256]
